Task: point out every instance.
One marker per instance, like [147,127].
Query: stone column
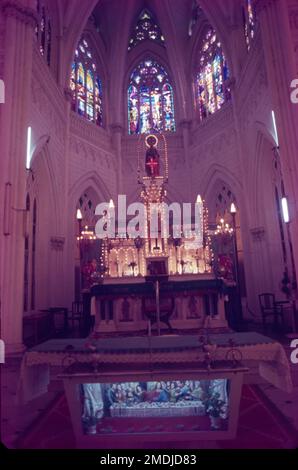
[117,131]
[19,22]
[273,16]
[185,126]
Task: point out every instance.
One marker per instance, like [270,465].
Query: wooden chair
[60,320]
[77,314]
[269,307]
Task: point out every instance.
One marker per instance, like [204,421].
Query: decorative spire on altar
[153,176]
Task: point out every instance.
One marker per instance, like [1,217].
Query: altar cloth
[255,348]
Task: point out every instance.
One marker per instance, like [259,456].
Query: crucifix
[152,167]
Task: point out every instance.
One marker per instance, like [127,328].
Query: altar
[160,350]
[153,378]
[186,302]
[155,272]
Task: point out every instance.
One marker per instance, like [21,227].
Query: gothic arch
[220,22]
[142,55]
[97,47]
[195,67]
[74,25]
[89,180]
[218,172]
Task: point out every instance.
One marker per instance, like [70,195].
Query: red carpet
[260,427]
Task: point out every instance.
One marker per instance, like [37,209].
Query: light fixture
[223,228]
[233,208]
[199,199]
[275,129]
[111,204]
[28,153]
[79,214]
[285,210]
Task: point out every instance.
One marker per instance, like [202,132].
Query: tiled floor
[16,419]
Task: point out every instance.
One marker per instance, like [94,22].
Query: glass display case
[109,408]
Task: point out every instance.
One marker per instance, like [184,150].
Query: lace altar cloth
[255,349]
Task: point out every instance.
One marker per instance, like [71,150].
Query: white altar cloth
[257,350]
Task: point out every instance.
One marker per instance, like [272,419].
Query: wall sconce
[275,129]
[28,154]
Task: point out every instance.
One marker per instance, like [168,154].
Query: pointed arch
[88,180]
[146,28]
[211,74]
[150,99]
[218,172]
[249,21]
[43,30]
[86,84]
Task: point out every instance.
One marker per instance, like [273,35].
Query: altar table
[255,350]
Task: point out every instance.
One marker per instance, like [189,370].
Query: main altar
[154,274]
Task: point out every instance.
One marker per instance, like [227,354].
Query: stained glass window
[150,99]
[43,31]
[249,22]
[86,85]
[146,29]
[211,80]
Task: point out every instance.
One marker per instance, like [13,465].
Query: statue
[152,156]
[92,406]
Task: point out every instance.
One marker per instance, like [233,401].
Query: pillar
[117,131]
[19,22]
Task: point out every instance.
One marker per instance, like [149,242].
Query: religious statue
[192,308]
[152,157]
[92,406]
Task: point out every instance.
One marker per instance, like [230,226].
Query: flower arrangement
[214,406]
